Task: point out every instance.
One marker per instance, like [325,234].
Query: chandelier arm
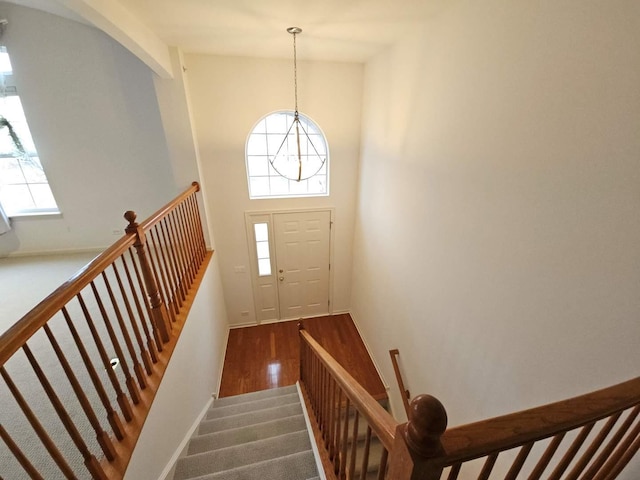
[271,160]
[297,122]
[314,147]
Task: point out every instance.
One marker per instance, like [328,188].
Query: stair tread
[248,418]
[248,397]
[236,436]
[241,455]
[259,404]
[296,466]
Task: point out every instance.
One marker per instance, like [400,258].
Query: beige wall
[192,376]
[93,112]
[497,240]
[229,95]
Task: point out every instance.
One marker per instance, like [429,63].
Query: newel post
[159,314]
[417,442]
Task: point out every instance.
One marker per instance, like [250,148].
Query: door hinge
[328,303]
[329,266]
[330,224]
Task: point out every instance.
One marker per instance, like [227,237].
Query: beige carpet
[25,281]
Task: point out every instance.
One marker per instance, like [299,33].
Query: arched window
[286,158]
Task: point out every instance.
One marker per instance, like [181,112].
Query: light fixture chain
[295,72]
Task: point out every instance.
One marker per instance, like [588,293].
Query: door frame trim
[253,256]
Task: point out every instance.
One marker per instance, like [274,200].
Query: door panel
[302,259]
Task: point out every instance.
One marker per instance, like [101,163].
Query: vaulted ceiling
[340,30]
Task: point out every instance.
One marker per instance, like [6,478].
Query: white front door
[302,263]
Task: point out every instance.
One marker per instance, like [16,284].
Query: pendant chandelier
[297,158]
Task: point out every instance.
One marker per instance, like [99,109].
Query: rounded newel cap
[197,185]
[130,216]
[427,422]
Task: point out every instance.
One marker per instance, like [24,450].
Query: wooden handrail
[423,447]
[381,422]
[130,296]
[161,213]
[406,396]
[475,440]
[16,335]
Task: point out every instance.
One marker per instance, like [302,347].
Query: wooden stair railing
[333,393]
[127,306]
[601,429]
[406,395]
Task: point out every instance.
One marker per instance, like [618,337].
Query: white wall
[229,95]
[187,384]
[93,112]
[497,240]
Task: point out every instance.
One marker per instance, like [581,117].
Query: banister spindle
[202,248]
[21,457]
[121,398]
[158,308]
[180,250]
[200,231]
[365,454]
[129,381]
[103,439]
[157,341]
[40,431]
[180,292]
[144,354]
[137,368]
[158,264]
[112,415]
[382,469]
[90,460]
[418,441]
[156,270]
[354,445]
[184,228]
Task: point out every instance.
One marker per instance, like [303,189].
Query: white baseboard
[224,357]
[242,325]
[178,453]
[273,320]
[366,345]
[314,446]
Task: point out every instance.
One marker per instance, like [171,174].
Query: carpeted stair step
[250,397]
[297,466]
[249,418]
[251,433]
[250,406]
[242,455]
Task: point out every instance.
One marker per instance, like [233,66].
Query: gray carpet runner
[256,436]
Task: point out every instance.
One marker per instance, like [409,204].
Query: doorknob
[281,279]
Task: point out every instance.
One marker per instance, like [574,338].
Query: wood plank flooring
[268,356]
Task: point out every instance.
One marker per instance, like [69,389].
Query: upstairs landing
[268,356]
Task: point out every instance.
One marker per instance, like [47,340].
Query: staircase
[259,435]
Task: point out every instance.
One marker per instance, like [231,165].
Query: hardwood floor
[268,356]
